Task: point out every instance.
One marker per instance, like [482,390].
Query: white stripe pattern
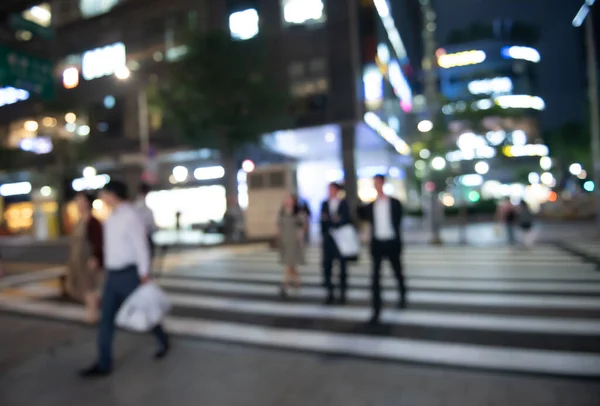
[233,298]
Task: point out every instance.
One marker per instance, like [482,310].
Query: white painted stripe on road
[518,324]
[391,349]
[438,260]
[479,299]
[31,277]
[364,281]
[365,271]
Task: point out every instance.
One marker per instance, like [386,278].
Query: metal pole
[143,123]
[429,69]
[594,109]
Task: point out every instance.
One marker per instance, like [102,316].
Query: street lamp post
[584,15]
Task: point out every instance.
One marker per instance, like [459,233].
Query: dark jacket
[366,213]
[342,216]
[95,239]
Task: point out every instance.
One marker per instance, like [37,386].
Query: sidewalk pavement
[38,360]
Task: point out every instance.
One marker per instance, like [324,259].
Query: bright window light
[303,11]
[10,95]
[383,9]
[519,137]
[180,173]
[209,173]
[491,86]
[92,8]
[523,53]
[521,102]
[400,84]
[40,15]
[70,78]
[471,180]
[105,61]
[461,59]
[91,183]
[383,53]
[15,189]
[387,133]
[244,24]
[373,83]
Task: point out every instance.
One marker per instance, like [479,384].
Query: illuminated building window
[11,95]
[460,58]
[297,12]
[92,8]
[40,15]
[523,53]
[104,61]
[244,24]
[310,87]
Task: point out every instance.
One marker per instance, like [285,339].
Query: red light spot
[429,186]
[553,196]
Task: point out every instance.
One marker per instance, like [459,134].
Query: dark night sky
[562,69]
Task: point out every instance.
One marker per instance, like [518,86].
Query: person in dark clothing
[507,214]
[526,224]
[303,206]
[385,217]
[335,212]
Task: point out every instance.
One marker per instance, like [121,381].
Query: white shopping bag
[347,240]
[143,309]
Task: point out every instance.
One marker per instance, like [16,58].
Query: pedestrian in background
[506,215]
[147,216]
[526,224]
[84,270]
[335,212]
[127,264]
[291,226]
[385,218]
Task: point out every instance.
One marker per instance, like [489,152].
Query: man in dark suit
[335,213]
[385,217]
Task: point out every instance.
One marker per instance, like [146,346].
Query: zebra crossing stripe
[519,324]
[501,300]
[391,349]
[364,281]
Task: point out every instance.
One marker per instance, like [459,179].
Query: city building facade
[349,66]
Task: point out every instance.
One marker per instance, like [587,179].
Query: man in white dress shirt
[127,264]
[385,217]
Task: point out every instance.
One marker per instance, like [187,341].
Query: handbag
[347,240]
[143,309]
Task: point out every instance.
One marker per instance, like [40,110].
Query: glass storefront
[198,206]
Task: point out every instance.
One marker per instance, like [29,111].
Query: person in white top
[146,215]
[385,217]
[127,264]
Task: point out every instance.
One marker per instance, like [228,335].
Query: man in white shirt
[127,264]
[146,215]
[335,212]
[385,218]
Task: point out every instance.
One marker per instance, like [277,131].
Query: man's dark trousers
[391,250]
[330,254]
[119,285]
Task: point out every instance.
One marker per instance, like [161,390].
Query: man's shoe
[330,300]
[402,303]
[373,321]
[94,372]
[162,351]
[342,300]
